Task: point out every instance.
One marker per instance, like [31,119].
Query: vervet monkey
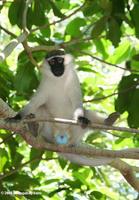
[59,96]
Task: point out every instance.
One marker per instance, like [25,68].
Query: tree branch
[24,20]
[127,171]
[92,126]
[24,25]
[123,167]
[22,128]
[87,151]
[12,45]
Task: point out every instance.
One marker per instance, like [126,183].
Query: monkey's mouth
[58,71]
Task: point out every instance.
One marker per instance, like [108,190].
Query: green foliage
[73,28]
[33,154]
[114,32]
[128,99]
[6,81]
[3,159]
[15,12]
[26,78]
[134,17]
[105,29]
[99,27]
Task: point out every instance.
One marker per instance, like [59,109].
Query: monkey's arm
[38,99]
[75,96]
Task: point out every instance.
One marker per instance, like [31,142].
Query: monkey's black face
[57,65]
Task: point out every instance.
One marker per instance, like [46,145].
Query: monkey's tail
[85,160]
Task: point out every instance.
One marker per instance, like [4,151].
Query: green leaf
[62,162]
[38,13]
[3,158]
[23,182]
[26,78]
[128,99]
[34,153]
[63,4]
[126,89]
[99,27]
[135,17]
[15,13]
[17,159]
[73,28]
[6,81]
[56,10]
[82,175]
[90,8]
[114,32]
[123,52]
[118,6]
[118,9]
[101,47]
[97,195]
[133,111]
[46,32]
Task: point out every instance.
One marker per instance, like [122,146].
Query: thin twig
[113,94]
[127,171]
[8,32]
[30,56]
[108,63]
[7,138]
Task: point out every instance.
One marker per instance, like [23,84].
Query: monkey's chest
[60,106]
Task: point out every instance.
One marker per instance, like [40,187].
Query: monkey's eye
[60,60]
[52,61]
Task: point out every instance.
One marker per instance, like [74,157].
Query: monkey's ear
[68,59]
[112,118]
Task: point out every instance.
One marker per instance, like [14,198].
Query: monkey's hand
[16,118]
[83,121]
[33,126]
[112,118]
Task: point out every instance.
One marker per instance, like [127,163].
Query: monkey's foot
[30,116]
[112,118]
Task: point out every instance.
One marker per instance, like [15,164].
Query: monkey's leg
[96,118]
[33,126]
